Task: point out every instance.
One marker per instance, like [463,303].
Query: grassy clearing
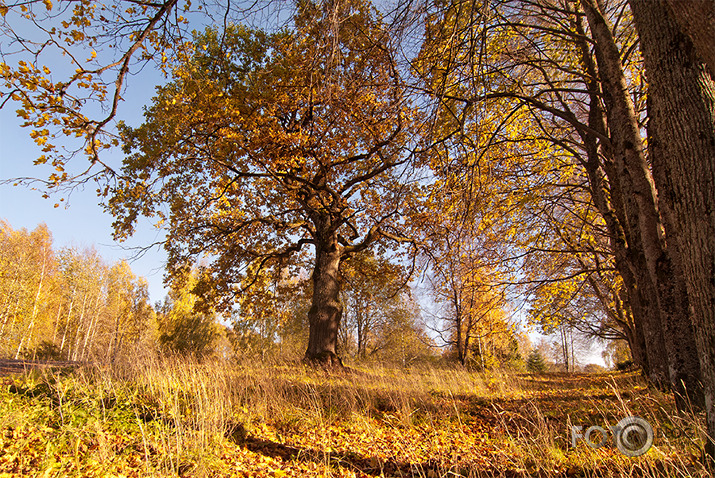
[174,417]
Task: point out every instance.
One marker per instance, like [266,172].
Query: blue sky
[79,220]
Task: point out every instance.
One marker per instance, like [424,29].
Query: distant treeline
[70,304]
[67,303]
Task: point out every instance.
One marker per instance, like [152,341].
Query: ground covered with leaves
[173,417]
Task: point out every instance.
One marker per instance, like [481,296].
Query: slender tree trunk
[8,301]
[57,324]
[121,333]
[67,325]
[573,355]
[80,323]
[643,217]
[92,341]
[86,336]
[459,326]
[480,350]
[8,315]
[360,319]
[28,334]
[564,348]
[91,331]
[681,133]
[326,310]
[467,336]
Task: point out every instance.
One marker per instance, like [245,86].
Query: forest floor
[179,418]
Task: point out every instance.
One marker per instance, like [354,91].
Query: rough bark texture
[605,188]
[326,309]
[681,133]
[618,124]
[655,271]
[618,245]
[697,20]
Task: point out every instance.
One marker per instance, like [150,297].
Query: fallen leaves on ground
[63,427]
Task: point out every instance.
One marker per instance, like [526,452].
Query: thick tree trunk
[655,263]
[681,134]
[607,196]
[326,309]
[622,217]
[623,256]
[697,19]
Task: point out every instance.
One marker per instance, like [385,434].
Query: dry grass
[165,417]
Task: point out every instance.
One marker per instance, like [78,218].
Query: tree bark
[326,309]
[645,338]
[697,20]
[29,330]
[681,133]
[655,262]
[602,197]
[359,319]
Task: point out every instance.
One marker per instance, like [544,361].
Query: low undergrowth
[177,417]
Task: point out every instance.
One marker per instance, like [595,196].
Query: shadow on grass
[351,461]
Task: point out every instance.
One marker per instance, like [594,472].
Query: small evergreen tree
[536,363]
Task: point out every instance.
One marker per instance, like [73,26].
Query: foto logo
[633,436]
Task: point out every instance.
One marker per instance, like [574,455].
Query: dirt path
[14,367]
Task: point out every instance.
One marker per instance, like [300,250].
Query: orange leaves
[42,105]
[260,152]
[87,50]
[116,422]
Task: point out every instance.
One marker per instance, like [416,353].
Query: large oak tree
[264,146]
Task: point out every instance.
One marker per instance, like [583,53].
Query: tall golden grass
[211,418]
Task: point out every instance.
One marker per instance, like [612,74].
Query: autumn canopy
[550,161]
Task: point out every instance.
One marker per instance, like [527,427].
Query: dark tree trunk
[654,262]
[459,327]
[326,309]
[644,337]
[623,256]
[697,20]
[632,265]
[467,338]
[461,353]
[681,133]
